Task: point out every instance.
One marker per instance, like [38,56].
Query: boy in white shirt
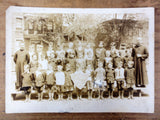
[120,78]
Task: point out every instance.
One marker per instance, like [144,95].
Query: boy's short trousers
[39,89]
[120,85]
[26,89]
[60,88]
[110,86]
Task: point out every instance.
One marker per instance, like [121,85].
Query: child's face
[79,43]
[100,64]
[119,65]
[68,67]
[39,67]
[129,54]
[31,48]
[70,45]
[60,47]
[89,67]
[122,53]
[50,44]
[113,47]
[88,46]
[81,55]
[50,67]
[101,45]
[89,54]
[110,65]
[35,57]
[130,64]
[79,67]
[107,53]
[52,55]
[117,53]
[39,48]
[50,48]
[80,47]
[43,57]
[59,68]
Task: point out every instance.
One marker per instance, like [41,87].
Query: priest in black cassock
[21,58]
[140,54]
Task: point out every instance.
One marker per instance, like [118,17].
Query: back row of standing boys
[63,71]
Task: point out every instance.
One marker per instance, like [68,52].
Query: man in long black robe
[21,58]
[140,54]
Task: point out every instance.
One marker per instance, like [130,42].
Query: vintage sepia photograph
[79,60]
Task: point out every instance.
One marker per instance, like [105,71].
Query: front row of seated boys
[60,82]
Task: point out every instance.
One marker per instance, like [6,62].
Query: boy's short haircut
[110,63]
[113,44]
[59,62]
[131,62]
[34,55]
[119,63]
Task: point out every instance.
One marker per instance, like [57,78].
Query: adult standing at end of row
[21,58]
[140,54]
